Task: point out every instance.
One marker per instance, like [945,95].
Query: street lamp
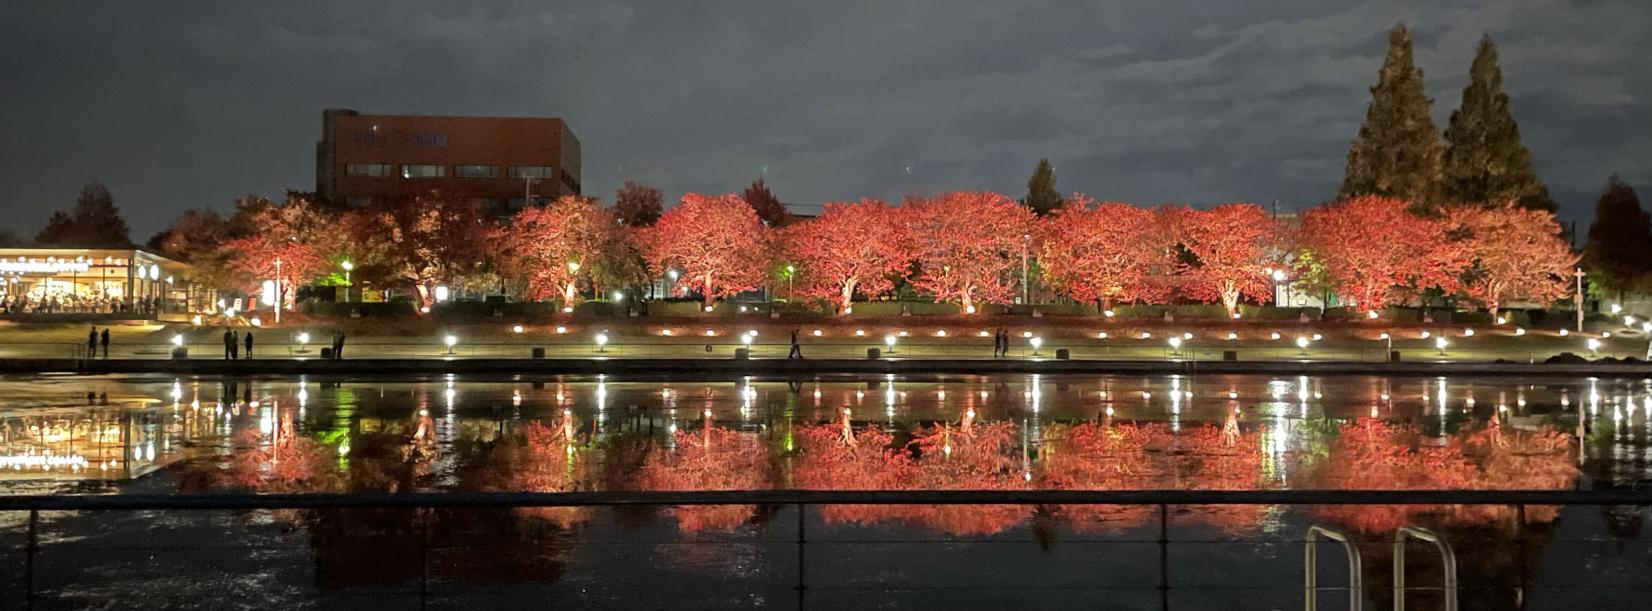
[1175,346]
[1036,343]
[889,343]
[1594,346]
[1302,344]
[348,266]
[1440,344]
[450,340]
[602,340]
[790,272]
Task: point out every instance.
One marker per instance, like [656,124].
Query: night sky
[176,105]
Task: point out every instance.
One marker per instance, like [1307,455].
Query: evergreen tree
[1484,160]
[94,222]
[1398,152]
[1042,196]
[766,205]
[1618,254]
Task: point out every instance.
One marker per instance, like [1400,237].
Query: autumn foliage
[851,249]
[1231,248]
[715,243]
[968,246]
[1514,253]
[1378,253]
[554,247]
[1104,253]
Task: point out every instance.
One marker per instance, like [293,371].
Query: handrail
[1447,558]
[1310,569]
[333,500]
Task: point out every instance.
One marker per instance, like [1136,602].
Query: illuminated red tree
[836,457]
[766,205]
[1231,245]
[429,240]
[288,243]
[969,246]
[544,458]
[969,457]
[1516,253]
[715,242]
[1102,253]
[850,248]
[1373,250]
[553,247]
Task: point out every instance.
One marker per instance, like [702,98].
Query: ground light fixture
[1440,344]
[1175,346]
[1564,333]
[450,340]
[1036,342]
[1371,314]
[1232,336]
[1519,331]
[1101,335]
[817,332]
[1594,346]
[1502,321]
[1302,344]
[516,328]
[889,343]
[747,337]
[1274,335]
[256,321]
[1628,321]
[602,340]
[560,330]
[1426,334]
[1617,309]
[303,338]
[178,340]
[1146,335]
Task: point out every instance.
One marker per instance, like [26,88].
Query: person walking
[229,344]
[797,351]
[249,344]
[338,344]
[999,347]
[234,344]
[105,340]
[92,342]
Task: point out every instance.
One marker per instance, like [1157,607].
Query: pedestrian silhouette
[229,344]
[797,351]
[92,342]
[249,344]
[105,340]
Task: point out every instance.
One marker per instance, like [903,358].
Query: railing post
[1164,556]
[424,556]
[1520,553]
[29,550]
[801,540]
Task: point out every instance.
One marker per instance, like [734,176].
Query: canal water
[205,434]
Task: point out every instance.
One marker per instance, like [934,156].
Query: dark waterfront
[143,434]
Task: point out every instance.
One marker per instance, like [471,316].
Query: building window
[423,171]
[476,171]
[367,169]
[532,171]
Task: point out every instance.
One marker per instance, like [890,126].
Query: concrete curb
[813,366]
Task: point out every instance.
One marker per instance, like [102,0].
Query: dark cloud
[190,104]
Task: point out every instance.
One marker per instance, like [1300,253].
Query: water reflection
[882,432]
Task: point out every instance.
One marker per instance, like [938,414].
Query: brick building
[503,162]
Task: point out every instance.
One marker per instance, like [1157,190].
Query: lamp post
[348,266]
[278,290]
[1578,298]
[790,272]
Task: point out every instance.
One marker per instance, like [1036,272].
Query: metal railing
[424,505]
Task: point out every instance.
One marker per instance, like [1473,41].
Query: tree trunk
[848,295]
[569,292]
[706,287]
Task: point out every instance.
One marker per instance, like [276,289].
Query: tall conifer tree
[1398,151]
[1042,195]
[1484,160]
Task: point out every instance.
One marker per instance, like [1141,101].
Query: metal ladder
[1310,575]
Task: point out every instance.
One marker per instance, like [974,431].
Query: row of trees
[969,248]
